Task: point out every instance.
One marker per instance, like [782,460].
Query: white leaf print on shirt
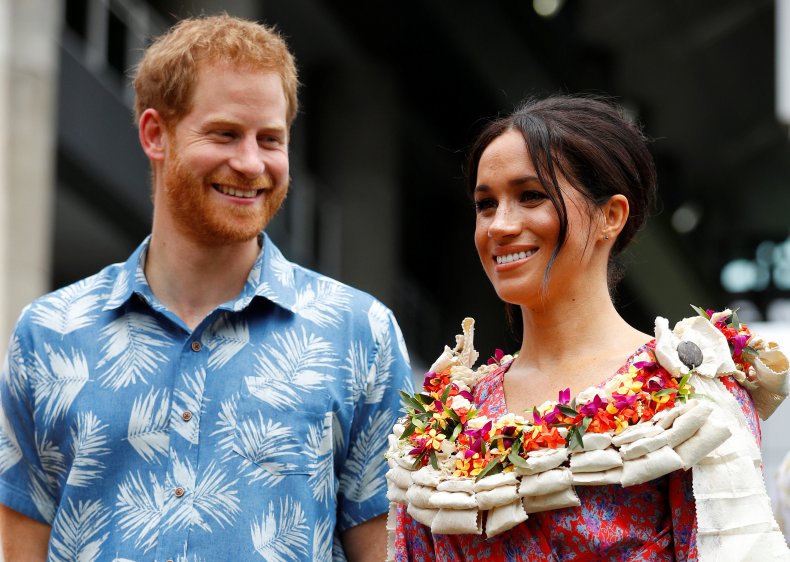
[189,399]
[10,452]
[380,320]
[75,535]
[88,443]
[40,493]
[133,349]
[119,290]
[320,460]
[363,474]
[226,426]
[283,269]
[140,506]
[356,363]
[289,367]
[323,305]
[225,339]
[267,444]
[53,461]
[149,424]
[14,367]
[58,385]
[380,374]
[71,308]
[322,541]
[210,498]
[282,534]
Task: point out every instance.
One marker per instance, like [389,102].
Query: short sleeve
[362,490]
[23,483]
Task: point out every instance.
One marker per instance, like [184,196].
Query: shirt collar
[271,277]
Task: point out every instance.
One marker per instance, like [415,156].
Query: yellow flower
[434,440]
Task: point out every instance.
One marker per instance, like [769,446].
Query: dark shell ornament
[690,354]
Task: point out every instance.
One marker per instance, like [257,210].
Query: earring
[606,237]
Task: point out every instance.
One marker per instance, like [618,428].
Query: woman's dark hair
[589,142]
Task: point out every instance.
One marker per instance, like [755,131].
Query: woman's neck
[564,330]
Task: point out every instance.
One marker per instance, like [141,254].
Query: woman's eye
[484,204]
[532,196]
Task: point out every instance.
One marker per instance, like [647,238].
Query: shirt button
[179,492]
[186,416]
[196,346]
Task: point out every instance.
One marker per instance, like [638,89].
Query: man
[207,399]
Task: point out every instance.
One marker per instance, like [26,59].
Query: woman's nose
[505,223]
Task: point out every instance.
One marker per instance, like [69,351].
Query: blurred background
[392,95]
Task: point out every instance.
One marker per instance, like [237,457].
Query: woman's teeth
[513,257]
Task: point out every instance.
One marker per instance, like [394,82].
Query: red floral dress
[651,521]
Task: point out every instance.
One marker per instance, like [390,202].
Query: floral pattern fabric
[648,522]
[259,435]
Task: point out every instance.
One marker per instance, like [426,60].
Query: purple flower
[621,401]
[739,342]
[478,433]
[498,355]
[591,408]
[564,396]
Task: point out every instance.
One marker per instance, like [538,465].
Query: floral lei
[441,421]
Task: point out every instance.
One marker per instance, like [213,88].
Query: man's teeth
[237,192]
[513,257]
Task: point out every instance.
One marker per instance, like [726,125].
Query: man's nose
[248,160]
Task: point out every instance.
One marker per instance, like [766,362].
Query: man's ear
[153,134]
[615,215]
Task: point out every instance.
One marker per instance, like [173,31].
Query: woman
[560,188]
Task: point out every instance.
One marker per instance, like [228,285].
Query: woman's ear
[615,215]
[153,134]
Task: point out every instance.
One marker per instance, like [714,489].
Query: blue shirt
[259,435]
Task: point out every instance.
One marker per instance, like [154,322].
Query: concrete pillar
[29,39]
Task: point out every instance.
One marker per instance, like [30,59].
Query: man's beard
[212,222]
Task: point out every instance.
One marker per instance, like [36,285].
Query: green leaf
[411,402]
[410,429]
[418,463]
[434,460]
[452,414]
[568,411]
[700,311]
[424,398]
[516,459]
[446,393]
[735,322]
[492,467]
[456,432]
[664,392]
[575,438]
